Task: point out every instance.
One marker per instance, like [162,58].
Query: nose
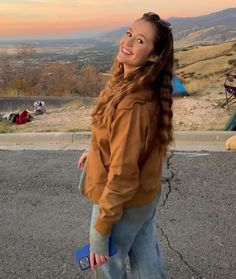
[129,41]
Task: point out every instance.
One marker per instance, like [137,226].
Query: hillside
[208,29]
[203,68]
[202,30]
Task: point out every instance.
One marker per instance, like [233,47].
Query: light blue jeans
[135,237]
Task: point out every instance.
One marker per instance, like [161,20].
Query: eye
[128,34]
[140,41]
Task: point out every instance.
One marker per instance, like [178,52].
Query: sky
[60,18]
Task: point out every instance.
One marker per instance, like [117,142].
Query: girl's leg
[134,224]
[115,268]
[145,258]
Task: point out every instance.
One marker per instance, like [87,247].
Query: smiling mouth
[125,51]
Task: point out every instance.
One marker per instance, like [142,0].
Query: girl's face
[136,45]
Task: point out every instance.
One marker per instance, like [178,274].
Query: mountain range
[213,28]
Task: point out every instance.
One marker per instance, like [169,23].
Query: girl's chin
[120,58]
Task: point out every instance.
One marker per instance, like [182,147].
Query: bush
[232,62]
[233,47]
[56,80]
[4,126]
[90,83]
[176,63]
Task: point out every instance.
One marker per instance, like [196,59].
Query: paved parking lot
[43,219]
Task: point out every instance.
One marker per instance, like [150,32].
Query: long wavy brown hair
[156,76]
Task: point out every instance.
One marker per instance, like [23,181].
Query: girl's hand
[82,160]
[97,259]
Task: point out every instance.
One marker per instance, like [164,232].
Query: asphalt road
[43,219]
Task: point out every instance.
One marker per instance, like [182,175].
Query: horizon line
[72,35]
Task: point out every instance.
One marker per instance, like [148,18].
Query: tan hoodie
[118,176]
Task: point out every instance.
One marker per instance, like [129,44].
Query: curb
[83,137]
[46,138]
[183,141]
[203,136]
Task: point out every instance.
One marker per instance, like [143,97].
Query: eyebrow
[141,35]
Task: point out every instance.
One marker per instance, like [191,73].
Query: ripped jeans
[135,237]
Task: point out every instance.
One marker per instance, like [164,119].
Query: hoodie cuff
[99,244]
[103,227]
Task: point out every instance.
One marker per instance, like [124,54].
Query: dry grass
[5,127]
[207,67]
[202,52]
[202,69]
[69,118]
[205,85]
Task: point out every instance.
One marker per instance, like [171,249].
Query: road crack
[179,254]
[168,179]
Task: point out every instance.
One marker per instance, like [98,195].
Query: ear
[153,58]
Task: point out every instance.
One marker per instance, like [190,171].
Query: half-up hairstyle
[155,76]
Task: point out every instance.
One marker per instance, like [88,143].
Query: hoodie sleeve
[127,141]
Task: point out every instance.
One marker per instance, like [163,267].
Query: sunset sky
[58,18]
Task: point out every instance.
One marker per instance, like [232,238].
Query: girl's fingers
[81,162]
[91,258]
[97,259]
[81,165]
[103,259]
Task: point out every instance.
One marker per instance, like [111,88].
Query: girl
[131,131]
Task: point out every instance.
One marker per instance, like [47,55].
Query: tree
[25,52]
[26,73]
[90,83]
[6,71]
[57,80]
